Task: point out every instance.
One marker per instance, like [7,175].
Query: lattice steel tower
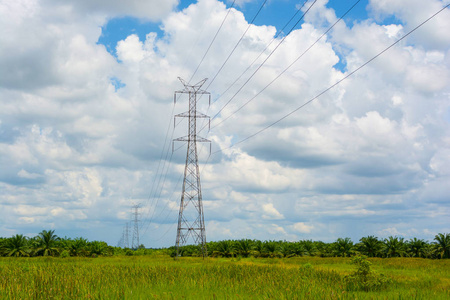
[135,241]
[125,237]
[190,218]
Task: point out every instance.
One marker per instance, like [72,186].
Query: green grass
[161,277]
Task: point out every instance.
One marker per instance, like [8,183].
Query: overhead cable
[261,53]
[212,41]
[235,46]
[335,84]
[288,67]
[265,60]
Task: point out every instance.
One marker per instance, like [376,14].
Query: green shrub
[307,266]
[363,278]
[64,254]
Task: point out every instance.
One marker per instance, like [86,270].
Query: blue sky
[86,119]
[275,13]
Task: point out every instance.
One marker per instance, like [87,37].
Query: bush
[364,278]
[64,254]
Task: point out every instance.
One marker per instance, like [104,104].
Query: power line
[238,42]
[165,140]
[335,84]
[155,189]
[158,197]
[158,175]
[288,67]
[265,60]
[157,186]
[261,53]
[210,44]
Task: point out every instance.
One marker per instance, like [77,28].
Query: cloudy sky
[86,118]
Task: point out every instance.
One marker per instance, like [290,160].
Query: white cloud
[270,212]
[77,153]
[391,231]
[275,229]
[302,227]
[150,9]
[413,12]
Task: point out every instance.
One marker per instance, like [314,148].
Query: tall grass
[193,278]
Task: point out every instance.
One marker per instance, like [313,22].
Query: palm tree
[322,249]
[394,247]
[258,248]
[47,243]
[97,248]
[225,249]
[416,247]
[211,246]
[244,247]
[443,244]
[78,247]
[286,249]
[370,246]
[2,245]
[64,243]
[308,246]
[271,248]
[343,247]
[16,245]
[429,250]
[297,249]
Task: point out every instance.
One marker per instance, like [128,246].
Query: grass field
[161,277]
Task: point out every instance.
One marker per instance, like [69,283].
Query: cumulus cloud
[367,157]
[153,10]
[302,227]
[414,12]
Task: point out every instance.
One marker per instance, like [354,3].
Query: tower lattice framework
[135,240]
[191,221]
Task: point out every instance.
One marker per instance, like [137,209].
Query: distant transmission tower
[135,241]
[190,219]
[126,238]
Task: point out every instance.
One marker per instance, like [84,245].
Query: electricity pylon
[126,236]
[135,241]
[124,241]
[191,222]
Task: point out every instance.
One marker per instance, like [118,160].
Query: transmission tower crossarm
[187,115]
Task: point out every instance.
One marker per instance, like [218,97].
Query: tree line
[47,243]
[370,246]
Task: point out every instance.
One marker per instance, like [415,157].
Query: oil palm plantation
[286,249]
[297,249]
[309,247]
[225,249]
[442,245]
[343,247]
[244,247]
[370,246]
[97,248]
[416,247]
[16,245]
[394,247]
[258,248]
[47,243]
[272,249]
[78,247]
